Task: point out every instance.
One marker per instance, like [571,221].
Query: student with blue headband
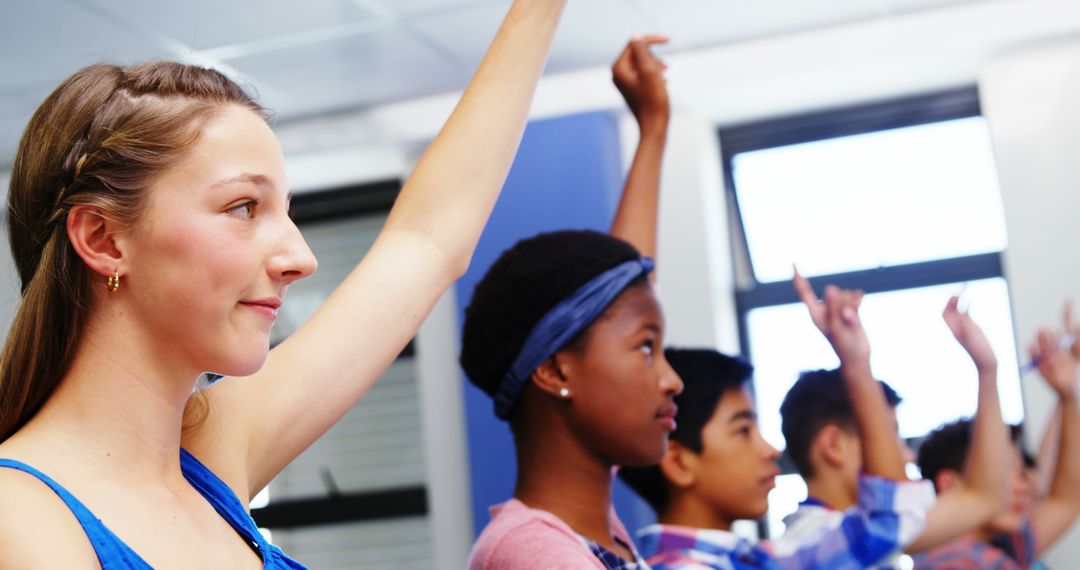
[564,332]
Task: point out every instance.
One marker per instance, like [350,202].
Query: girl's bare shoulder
[37,529]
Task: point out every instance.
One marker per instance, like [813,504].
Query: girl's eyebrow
[246,178]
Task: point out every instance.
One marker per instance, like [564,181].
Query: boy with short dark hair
[1018,534]
[719,469]
[823,442]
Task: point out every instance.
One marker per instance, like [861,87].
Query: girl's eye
[647,348]
[244,211]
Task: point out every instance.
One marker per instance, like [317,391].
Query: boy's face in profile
[736,468]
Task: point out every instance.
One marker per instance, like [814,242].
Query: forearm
[1049,446]
[636,218]
[880,445]
[984,471]
[968,507]
[450,194]
[1066,484]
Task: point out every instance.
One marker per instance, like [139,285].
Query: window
[899,199]
[358,495]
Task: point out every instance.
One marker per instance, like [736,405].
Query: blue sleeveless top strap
[228,505]
[113,554]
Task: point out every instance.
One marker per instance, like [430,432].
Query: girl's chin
[246,366]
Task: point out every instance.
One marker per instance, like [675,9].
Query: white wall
[9,278]
[1030,99]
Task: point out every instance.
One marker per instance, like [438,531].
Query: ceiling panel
[413,7]
[45,41]
[353,71]
[901,6]
[695,23]
[579,42]
[203,24]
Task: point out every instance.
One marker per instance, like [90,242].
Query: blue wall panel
[567,174]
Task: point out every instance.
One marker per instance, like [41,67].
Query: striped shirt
[889,516]
[813,516]
[612,561]
[969,552]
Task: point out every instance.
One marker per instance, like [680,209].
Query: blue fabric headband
[563,323]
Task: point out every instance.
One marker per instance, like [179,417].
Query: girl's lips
[267,308]
[668,422]
[666,416]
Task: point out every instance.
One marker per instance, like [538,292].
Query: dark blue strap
[112,553]
[228,505]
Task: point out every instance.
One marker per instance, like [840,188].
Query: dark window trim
[864,118]
[343,508]
[911,276]
[894,278]
[354,200]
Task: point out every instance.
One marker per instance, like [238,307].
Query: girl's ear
[92,236]
[551,377]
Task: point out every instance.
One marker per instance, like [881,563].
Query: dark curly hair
[707,375]
[947,448]
[818,398]
[526,282]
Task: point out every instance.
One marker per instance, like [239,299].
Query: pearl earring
[564,392]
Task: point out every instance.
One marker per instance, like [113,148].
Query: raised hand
[639,76]
[837,317]
[1056,365]
[970,336]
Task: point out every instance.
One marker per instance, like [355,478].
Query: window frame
[922,109]
[335,507]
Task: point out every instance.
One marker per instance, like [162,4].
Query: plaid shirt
[813,515]
[889,516]
[969,552]
[612,561]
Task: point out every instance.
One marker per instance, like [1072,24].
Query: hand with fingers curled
[970,336]
[639,76]
[1057,365]
[837,317]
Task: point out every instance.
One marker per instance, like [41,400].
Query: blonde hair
[100,138]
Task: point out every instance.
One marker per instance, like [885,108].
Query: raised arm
[838,319]
[983,493]
[1049,444]
[1057,512]
[257,425]
[639,76]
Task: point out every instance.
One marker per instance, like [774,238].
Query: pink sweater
[519,537]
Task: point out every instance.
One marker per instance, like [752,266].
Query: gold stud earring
[114,281]
[564,392]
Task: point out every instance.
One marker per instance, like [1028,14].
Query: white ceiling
[305,58]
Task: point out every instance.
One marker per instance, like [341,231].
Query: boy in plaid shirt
[823,441]
[1019,533]
[719,469]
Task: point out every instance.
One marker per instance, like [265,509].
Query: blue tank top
[113,554]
